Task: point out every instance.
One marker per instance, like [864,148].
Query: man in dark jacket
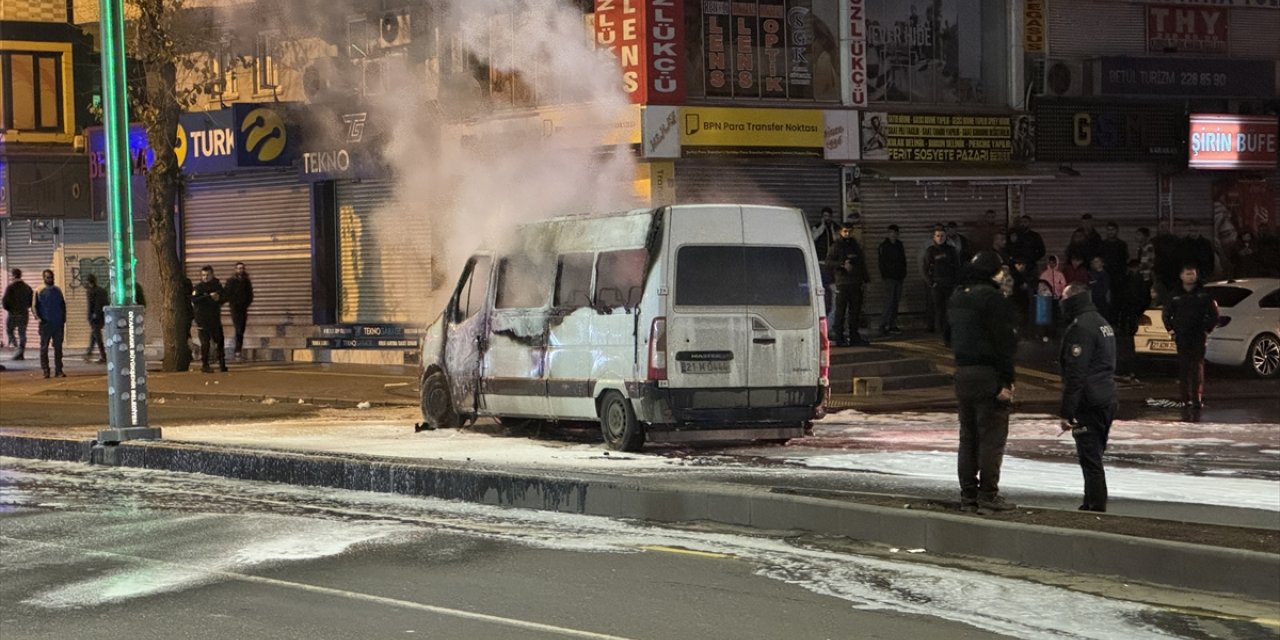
[1130,298]
[941,268]
[893,270]
[1025,244]
[96,305]
[1088,361]
[239,295]
[1189,315]
[51,309]
[984,328]
[206,300]
[1198,250]
[18,298]
[849,264]
[825,235]
[1115,259]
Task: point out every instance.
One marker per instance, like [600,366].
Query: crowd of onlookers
[1125,277]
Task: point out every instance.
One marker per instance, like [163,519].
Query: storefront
[922,170]
[244,203]
[786,157]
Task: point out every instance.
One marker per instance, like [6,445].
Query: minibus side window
[620,278]
[573,281]
[476,288]
[523,282]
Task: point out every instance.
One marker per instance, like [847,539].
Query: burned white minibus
[687,322]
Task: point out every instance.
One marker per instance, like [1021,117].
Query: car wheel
[1264,356]
[622,432]
[437,402]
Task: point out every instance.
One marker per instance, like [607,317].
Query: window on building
[266,74]
[763,50]
[31,93]
[942,52]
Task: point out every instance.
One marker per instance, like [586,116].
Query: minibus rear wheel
[437,402]
[622,432]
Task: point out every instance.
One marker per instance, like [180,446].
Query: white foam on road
[1012,607]
[1054,478]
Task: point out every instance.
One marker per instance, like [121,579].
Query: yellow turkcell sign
[180,146]
[264,134]
[729,127]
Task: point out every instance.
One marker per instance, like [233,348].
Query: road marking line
[687,552]
[343,593]
[1203,613]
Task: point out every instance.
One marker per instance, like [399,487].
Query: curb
[340,403]
[1174,564]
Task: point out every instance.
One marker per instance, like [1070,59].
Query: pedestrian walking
[51,310]
[942,267]
[1189,315]
[17,301]
[1088,361]
[849,265]
[893,271]
[206,300]
[984,329]
[97,304]
[239,295]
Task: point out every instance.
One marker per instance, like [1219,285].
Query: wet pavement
[113,552]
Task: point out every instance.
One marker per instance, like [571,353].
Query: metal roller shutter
[386,255]
[916,209]
[1193,199]
[1253,33]
[20,252]
[84,251]
[1089,28]
[1123,193]
[806,186]
[261,219]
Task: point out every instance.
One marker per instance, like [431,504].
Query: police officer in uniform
[1189,315]
[984,336]
[1088,360]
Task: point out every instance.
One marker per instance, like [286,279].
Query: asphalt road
[110,552]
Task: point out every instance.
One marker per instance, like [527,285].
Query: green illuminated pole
[126,367]
[115,102]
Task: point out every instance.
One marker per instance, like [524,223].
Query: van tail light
[824,357]
[1223,321]
[658,349]
[1144,320]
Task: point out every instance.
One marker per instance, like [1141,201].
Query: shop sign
[840,133]
[590,126]
[1231,142]
[647,38]
[1074,130]
[1034,26]
[243,136]
[1218,78]
[856,94]
[729,131]
[661,132]
[347,145]
[140,159]
[946,138]
[45,186]
[363,336]
[1174,29]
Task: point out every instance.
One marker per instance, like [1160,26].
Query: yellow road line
[687,552]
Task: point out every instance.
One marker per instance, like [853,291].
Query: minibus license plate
[1162,345]
[705,366]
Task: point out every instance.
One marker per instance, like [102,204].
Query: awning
[976,174]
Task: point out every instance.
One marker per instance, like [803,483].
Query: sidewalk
[395,459]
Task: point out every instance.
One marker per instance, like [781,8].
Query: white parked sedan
[1248,332]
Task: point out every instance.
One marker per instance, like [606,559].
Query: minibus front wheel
[622,432]
[437,402]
